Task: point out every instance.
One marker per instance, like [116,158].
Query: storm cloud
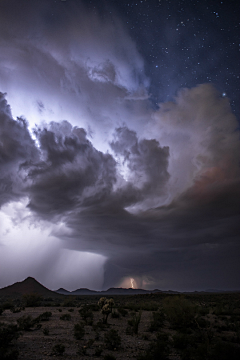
[98,184]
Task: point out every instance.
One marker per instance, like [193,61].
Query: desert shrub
[99,326]
[86,314]
[8,354]
[8,333]
[50,299]
[115,315]
[32,300]
[202,310]
[25,322]
[60,310]
[56,304]
[71,310]
[98,351]
[7,305]
[44,316]
[181,341]
[109,357]
[112,340]
[158,349]
[180,311]
[201,322]
[149,306]
[1,311]
[157,321]
[145,337]
[46,330]
[122,311]
[133,307]
[93,307]
[82,350]
[196,345]
[58,349]
[16,310]
[225,351]
[79,331]
[69,303]
[134,322]
[65,317]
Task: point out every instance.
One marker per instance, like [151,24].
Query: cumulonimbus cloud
[63,175]
[153,191]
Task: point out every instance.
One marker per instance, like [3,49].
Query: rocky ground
[33,344]
[208,332]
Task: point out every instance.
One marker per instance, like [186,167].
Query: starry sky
[119,144]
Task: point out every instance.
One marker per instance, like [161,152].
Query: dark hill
[84,291]
[63,291]
[111,291]
[27,286]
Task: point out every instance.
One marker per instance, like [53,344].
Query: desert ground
[141,327]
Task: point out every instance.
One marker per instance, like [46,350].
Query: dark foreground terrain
[141,327]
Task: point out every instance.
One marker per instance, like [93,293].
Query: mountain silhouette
[111,291]
[27,286]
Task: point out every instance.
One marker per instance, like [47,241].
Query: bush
[16,310]
[58,349]
[79,331]
[25,322]
[134,322]
[122,311]
[99,326]
[157,322]
[180,312]
[46,331]
[65,317]
[181,341]
[44,316]
[115,315]
[7,305]
[158,349]
[32,300]
[86,314]
[8,333]
[93,307]
[109,357]
[225,351]
[112,340]
[98,351]
[69,303]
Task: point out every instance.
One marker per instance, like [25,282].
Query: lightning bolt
[132,280]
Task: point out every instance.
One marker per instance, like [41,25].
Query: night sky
[119,144]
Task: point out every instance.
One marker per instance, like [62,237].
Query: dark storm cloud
[168,244]
[146,160]
[71,172]
[200,224]
[63,171]
[64,175]
[16,149]
[162,203]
